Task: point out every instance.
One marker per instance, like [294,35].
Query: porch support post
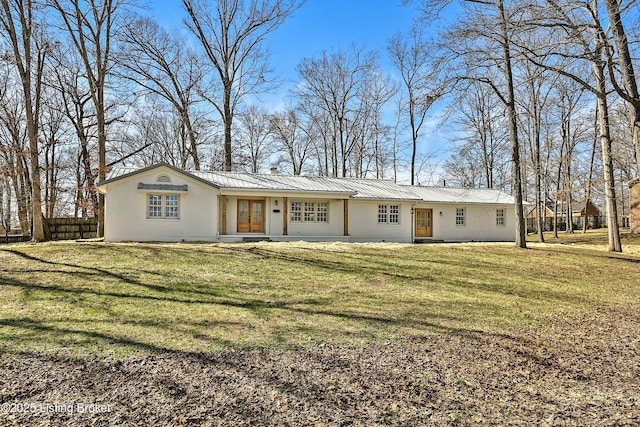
[285,215]
[223,228]
[346,216]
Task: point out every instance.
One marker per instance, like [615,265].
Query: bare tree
[287,131]
[232,34]
[91,26]
[413,57]
[14,149]
[20,21]
[626,70]
[337,85]
[534,104]
[160,63]
[480,116]
[255,131]
[67,78]
[577,35]
[483,41]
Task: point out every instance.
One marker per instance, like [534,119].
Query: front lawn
[116,299]
[320,334]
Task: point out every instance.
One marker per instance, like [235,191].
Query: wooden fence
[14,238]
[60,229]
[71,228]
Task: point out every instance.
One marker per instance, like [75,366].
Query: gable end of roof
[156,166]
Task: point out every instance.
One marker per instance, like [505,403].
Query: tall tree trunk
[521,239]
[615,245]
[228,118]
[590,180]
[569,201]
[22,43]
[626,70]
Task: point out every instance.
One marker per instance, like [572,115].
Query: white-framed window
[500,217]
[388,214]
[161,206]
[307,211]
[460,216]
[322,213]
[172,206]
[394,214]
[382,213]
[296,211]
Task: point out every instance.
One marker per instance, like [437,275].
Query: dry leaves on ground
[578,371]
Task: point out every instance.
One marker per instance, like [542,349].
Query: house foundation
[634,206]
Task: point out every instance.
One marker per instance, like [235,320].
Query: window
[159,206]
[394,214]
[500,217]
[382,213]
[309,211]
[322,212]
[460,216]
[171,206]
[296,211]
[389,214]
[155,206]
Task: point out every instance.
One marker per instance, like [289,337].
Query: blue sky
[319,25]
[325,25]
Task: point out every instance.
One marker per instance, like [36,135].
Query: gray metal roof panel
[462,195]
[358,188]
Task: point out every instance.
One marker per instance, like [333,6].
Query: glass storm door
[250,216]
[424,222]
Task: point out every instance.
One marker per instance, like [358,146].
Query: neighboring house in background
[163,203]
[581,211]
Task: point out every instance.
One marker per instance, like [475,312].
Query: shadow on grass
[593,253]
[308,305]
[42,331]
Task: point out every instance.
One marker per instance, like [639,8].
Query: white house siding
[334,227]
[480,223]
[126,210]
[364,226]
[274,217]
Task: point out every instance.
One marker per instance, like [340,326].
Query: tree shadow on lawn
[344,262]
[46,332]
[380,265]
[421,317]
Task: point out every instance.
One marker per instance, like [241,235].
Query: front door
[250,216]
[424,222]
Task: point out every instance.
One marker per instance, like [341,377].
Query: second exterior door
[250,216]
[424,222]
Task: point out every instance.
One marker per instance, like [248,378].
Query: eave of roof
[150,168]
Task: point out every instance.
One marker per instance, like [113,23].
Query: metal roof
[274,182]
[356,188]
[462,195]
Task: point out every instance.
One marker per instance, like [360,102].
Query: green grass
[115,299]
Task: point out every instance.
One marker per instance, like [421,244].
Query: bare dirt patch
[576,371]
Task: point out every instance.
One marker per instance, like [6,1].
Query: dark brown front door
[250,216]
[424,222]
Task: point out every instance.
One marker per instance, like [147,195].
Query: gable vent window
[163,178]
